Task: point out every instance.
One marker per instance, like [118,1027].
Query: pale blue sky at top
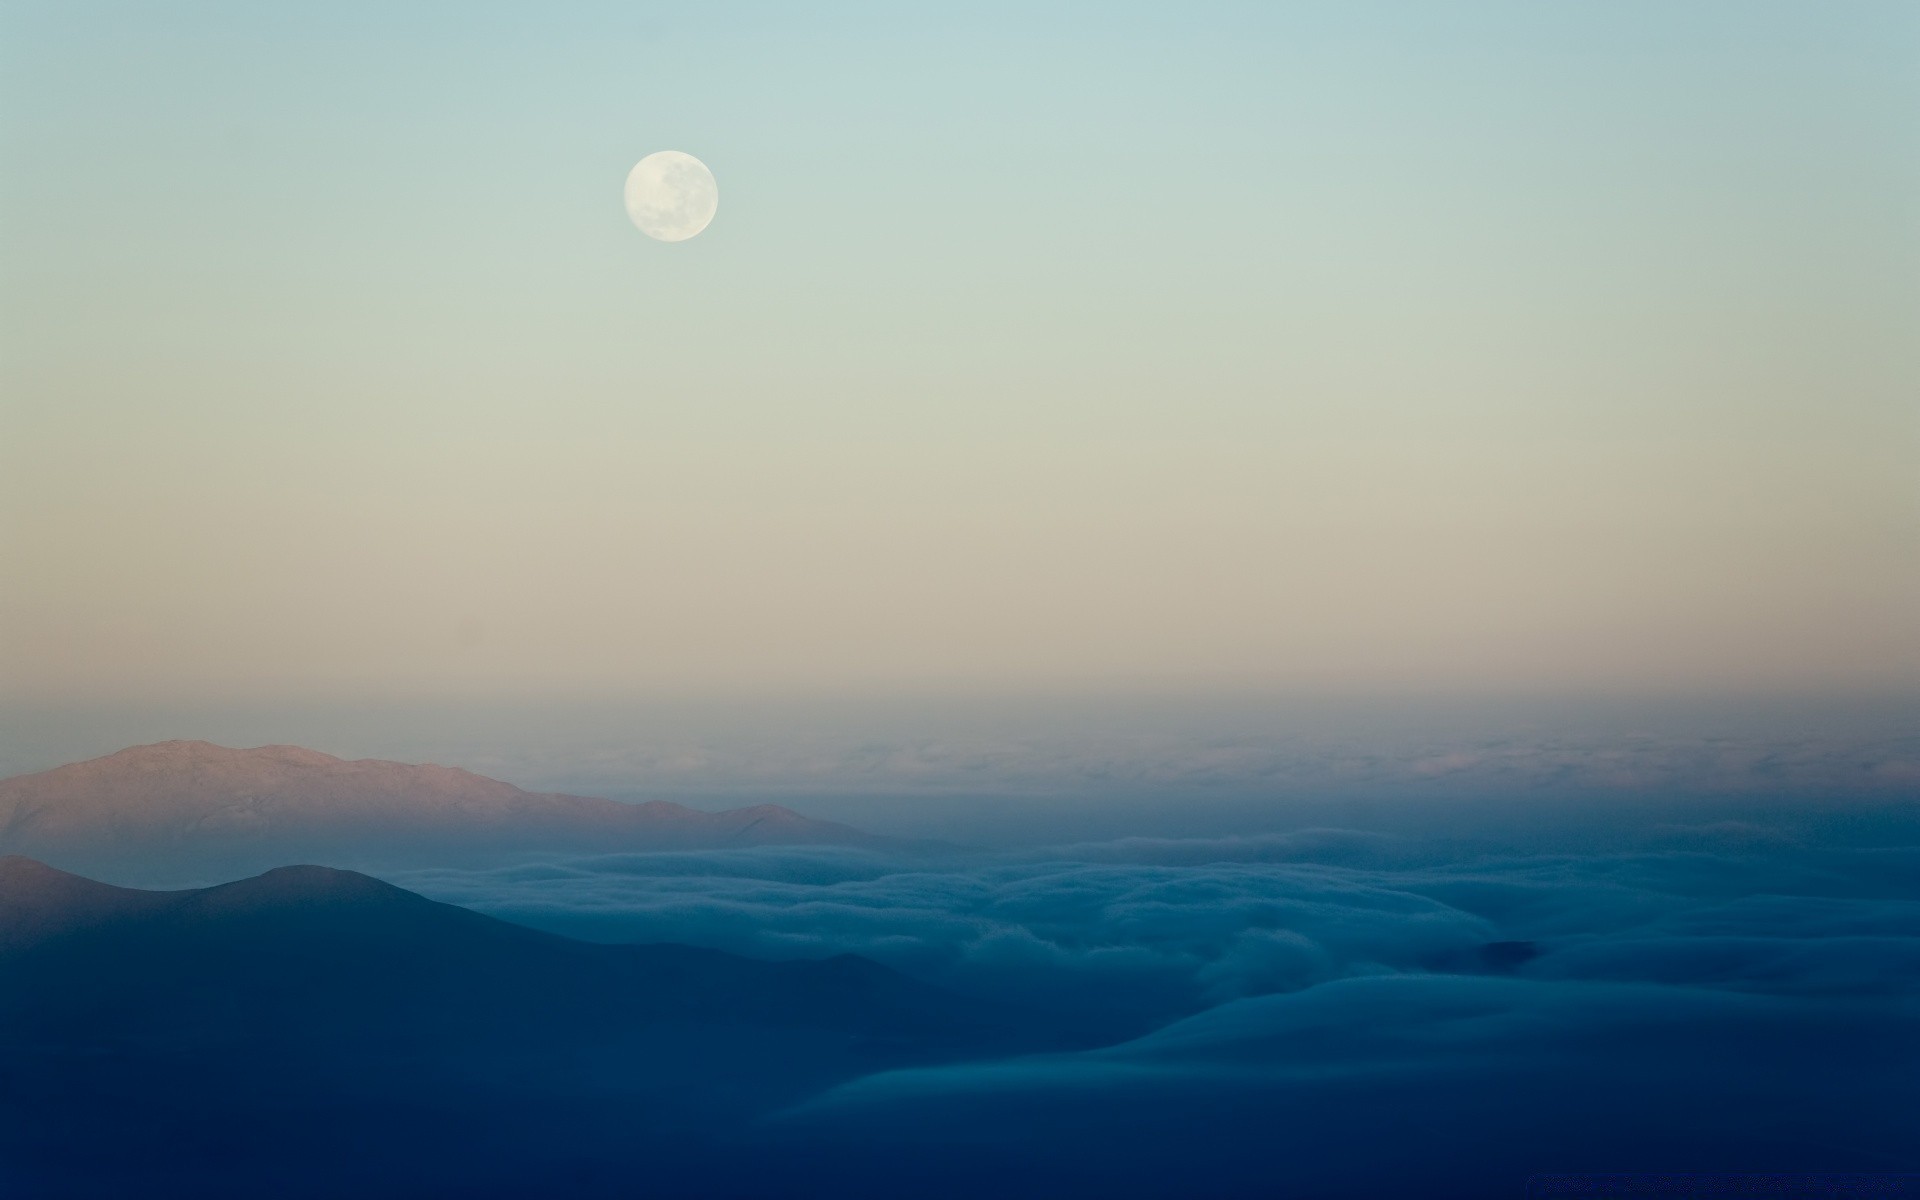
[1491,345]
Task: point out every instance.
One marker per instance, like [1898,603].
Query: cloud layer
[1142,931]
[1341,1012]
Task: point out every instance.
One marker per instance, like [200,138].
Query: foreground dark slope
[313,1030]
[178,811]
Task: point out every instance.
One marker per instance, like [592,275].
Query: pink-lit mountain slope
[186,801]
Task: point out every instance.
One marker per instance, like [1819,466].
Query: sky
[1489,348]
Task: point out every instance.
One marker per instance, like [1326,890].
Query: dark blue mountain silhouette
[313,1031]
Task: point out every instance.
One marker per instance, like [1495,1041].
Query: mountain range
[192,810]
[311,1031]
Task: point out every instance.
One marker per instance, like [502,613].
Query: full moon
[671,195]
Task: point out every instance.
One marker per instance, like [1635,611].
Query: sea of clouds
[1147,930]
[1340,1010]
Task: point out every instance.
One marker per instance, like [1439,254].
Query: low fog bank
[1428,1085]
[1339,1012]
[1140,931]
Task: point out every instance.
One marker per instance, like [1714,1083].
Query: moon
[671,195]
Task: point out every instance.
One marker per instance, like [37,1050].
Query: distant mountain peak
[183,800]
[308,878]
[306,886]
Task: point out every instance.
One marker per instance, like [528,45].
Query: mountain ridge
[194,804]
[285,1016]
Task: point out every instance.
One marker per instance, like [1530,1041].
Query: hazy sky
[1462,347]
